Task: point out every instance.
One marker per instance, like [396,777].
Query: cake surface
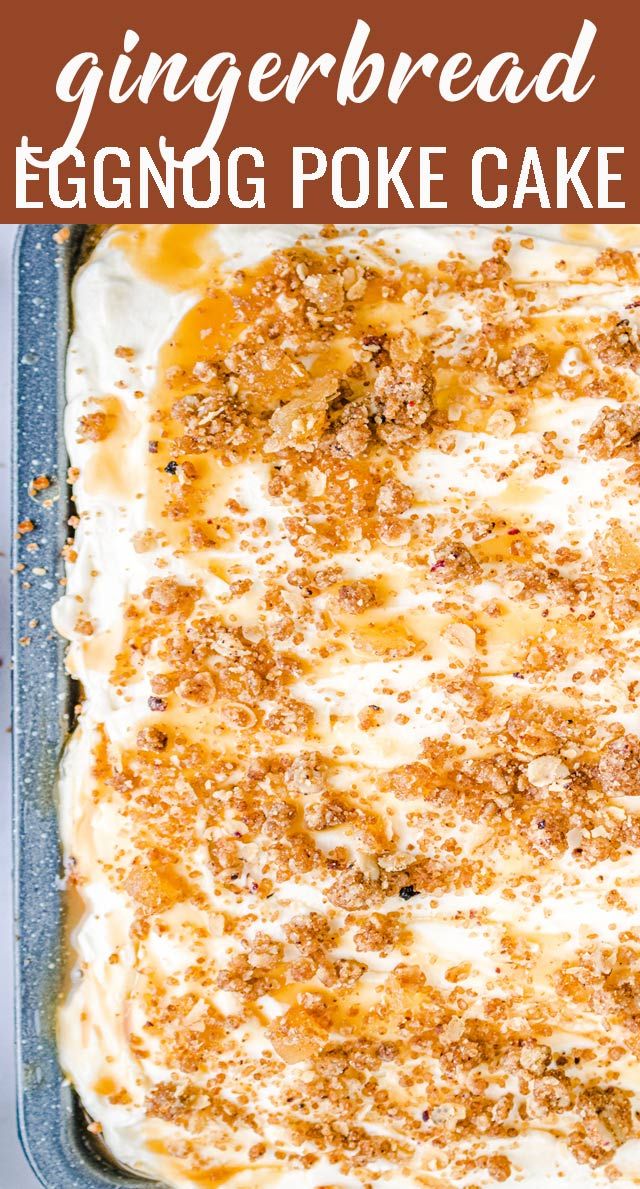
[352,801]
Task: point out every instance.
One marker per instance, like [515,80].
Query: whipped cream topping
[439,659]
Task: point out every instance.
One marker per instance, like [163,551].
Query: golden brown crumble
[525,364]
[313,836]
[618,347]
[94,427]
[613,431]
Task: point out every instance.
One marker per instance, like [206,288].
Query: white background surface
[14,1172]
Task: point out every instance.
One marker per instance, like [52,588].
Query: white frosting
[115,305]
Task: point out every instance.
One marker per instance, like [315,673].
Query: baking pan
[51,1122]
[52,1125]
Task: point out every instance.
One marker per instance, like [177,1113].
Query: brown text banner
[353,111]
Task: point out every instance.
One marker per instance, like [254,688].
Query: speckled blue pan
[51,1123]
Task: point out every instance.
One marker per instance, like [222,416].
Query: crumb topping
[385,752]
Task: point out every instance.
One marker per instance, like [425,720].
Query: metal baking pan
[51,1122]
[52,1125]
